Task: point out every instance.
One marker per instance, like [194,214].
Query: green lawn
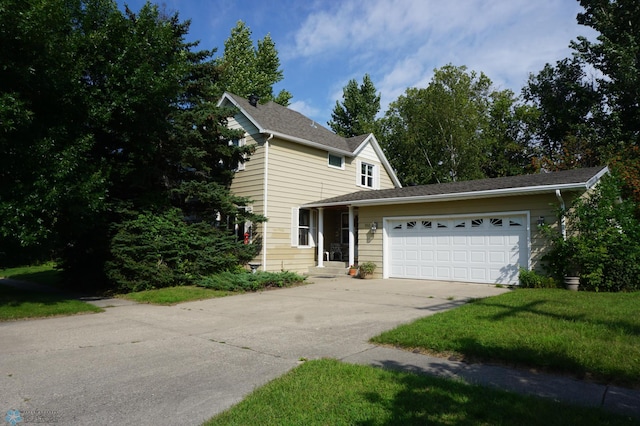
[20,304]
[42,274]
[590,335]
[173,295]
[327,392]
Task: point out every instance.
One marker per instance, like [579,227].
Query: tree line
[581,111]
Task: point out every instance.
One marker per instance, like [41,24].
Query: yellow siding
[297,174]
[370,245]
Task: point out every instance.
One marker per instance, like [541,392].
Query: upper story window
[238,143]
[336,161]
[367,175]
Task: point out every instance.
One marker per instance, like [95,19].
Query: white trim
[295,227]
[385,231]
[383,158]
[375,175]
[505,192]
[265,189]
[295,214]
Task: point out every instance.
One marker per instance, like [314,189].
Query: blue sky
[322,44]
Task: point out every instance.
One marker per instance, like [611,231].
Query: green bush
[367,268]
[246,281]
[603,243]
[162,250]
[531,279]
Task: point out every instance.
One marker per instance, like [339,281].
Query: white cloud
[304,108]
[400,42]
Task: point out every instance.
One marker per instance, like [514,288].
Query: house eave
[306,142]
[459,196]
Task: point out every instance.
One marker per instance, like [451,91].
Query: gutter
[455,196]
[265,197]
[563,221]
[306,142]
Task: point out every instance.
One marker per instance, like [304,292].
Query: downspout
[265,191]
[563,224]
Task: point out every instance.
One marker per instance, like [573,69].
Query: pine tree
[356,114]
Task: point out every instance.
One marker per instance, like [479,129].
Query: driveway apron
[182,364]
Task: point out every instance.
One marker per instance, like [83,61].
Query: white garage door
[483,249]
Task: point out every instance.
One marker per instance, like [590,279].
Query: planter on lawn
[572,283]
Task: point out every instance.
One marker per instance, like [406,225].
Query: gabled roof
[274,119]
[577,179]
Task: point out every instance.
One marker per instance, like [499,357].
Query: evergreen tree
[356,114]
[246,70]
[111,120]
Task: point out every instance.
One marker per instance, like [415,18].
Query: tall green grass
[327,392]
[590,335]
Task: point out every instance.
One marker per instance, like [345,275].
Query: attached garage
[480,231]
[488,248]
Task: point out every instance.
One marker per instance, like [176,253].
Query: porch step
[330,269]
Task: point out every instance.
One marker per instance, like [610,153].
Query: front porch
[337,237]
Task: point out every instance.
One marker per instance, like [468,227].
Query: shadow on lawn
[425,399]
[535,307]
[13,297]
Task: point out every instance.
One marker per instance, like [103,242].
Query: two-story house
[328,197]
[298,161]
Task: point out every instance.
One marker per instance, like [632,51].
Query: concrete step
[329,269]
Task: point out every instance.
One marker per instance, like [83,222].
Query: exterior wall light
[540,220]
[374,227]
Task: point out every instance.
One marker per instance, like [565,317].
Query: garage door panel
[478,274]
[477,240]
[460,256]
[411,255]
[426,255]
[461,274]
[443,256]
[486,249]
[497,257]
[478,256]
[459,240]
[443,273]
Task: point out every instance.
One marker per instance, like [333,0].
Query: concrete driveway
[159,365]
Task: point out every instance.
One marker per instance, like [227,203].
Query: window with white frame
[302,227]
[336,161]
[367,175]
[239,143]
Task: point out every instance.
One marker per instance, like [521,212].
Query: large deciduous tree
[450,130]
[108,123]
[567,102]
[590,104]
[246,70]
[356,114]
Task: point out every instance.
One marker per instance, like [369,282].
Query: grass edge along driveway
[589,335]
[324,392]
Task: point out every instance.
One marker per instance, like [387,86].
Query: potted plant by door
[366,269]
[352,270]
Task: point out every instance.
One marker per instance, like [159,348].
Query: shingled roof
[577,179]
[284,122]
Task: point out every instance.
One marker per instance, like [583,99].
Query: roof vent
[313,124]
[253,100]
